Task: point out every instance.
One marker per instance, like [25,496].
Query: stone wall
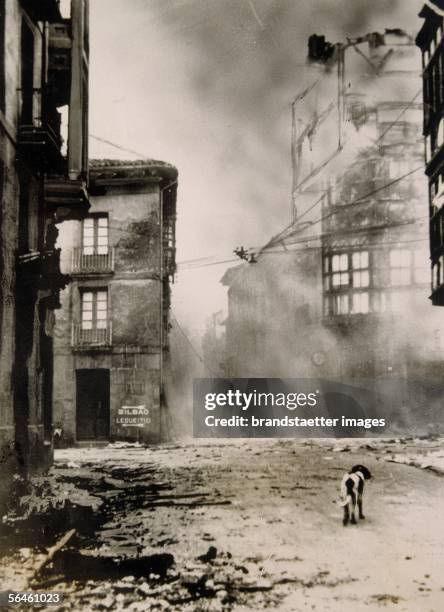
[134,290]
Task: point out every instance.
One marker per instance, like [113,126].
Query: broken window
[360,265]
[341,304]
[95,235]
[400,264]
[339,266]
[94,309]
[347,278]
[360,302]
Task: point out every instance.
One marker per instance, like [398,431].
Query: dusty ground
[147,520]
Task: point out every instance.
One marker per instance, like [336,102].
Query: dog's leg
[346,515]
[353,512]
[361,516]
[360,494]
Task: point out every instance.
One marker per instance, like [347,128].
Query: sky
[207,86]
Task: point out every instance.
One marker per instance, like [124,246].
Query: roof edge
[141,170]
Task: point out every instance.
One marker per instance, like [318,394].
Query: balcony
[41,144]
[94,338]
[437,235]
[92,264]
[68,199]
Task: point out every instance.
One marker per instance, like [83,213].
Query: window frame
[95,246]
[95,319]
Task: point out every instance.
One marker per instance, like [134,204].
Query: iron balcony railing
[95,263]
[95,337]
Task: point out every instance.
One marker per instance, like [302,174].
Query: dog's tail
[345,500]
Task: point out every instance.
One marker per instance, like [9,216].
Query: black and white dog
[352,489]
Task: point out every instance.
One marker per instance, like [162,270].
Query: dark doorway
[93,414]
[26,296]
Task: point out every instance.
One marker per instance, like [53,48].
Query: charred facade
[342,292]
[43,77]
[430,41]
[111,335]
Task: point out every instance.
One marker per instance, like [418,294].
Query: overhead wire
[195,351]
[307,239]
[280,237]
[324,164]
[339,208]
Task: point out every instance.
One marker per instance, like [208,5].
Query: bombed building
[43,181]
[213,344]
[342,292]
[430,41]
[111,335]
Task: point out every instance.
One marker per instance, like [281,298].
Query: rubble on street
[230,526]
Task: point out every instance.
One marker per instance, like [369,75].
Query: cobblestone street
[248,525]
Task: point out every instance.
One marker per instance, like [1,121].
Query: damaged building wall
[430,41]
[343,292]
[114,317]
[32,91]
[213,344]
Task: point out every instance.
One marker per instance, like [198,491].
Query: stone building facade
[43,72]
[111,337]
[342,292]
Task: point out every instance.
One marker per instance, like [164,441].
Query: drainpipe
[162,190]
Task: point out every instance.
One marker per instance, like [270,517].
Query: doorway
[93,410]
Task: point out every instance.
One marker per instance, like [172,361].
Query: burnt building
[213,344]
[111,335]
[43,180]
[430,41]
[341,293]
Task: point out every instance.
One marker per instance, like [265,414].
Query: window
[361,276]
[428,148]
[360,302]
[400,261]
[421,267]
[341,304]
[346,278]
[94,309]
[65,8]
[95,236]
[440,134]
[437,274]
[339,266]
